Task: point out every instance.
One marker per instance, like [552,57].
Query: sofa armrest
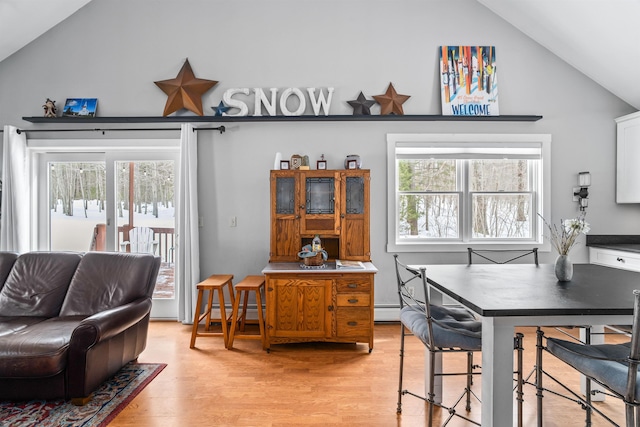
[102,343]
[109,323]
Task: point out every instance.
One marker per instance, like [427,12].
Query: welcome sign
[468,81]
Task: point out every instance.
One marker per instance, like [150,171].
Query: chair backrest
[406,275]
[502,256]
[141,240]
[634,356]
[407,294]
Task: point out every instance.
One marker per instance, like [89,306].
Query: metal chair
[614,367]
[497,256]
[442,330]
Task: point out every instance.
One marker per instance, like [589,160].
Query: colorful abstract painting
[468,81]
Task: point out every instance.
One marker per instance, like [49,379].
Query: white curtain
[16,208]
[188,250]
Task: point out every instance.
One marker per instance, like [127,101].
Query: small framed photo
[80,107]
[284,164]
[352,164]
[322,164]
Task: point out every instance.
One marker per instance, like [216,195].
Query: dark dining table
[505,296]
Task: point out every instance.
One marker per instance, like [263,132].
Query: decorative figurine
[49,108]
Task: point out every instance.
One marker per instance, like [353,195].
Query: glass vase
[564,268]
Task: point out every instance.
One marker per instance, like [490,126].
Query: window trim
[543,203]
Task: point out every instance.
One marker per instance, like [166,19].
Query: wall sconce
[581,193]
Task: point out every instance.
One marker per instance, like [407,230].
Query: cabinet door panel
[285,217]
[354,215]
[321,208]
[298,308]
[354,241]
[285,246]
[628,154]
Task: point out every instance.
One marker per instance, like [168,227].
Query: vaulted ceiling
[597,37]
[22,21]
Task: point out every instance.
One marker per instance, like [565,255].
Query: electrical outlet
[412,291]
[200,221]
[233,221]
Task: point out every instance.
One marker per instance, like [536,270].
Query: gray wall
[115,49]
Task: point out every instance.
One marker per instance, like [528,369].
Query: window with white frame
[449,191]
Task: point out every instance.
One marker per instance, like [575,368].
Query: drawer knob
[353,300]
[620,259]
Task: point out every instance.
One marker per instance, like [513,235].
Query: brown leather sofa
[69,321]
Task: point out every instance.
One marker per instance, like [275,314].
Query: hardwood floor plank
[310,384]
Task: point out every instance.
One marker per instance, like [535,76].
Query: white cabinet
[617,259]
[628,163]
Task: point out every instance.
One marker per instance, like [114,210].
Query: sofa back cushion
[7,259]
[37,284]
[105,280]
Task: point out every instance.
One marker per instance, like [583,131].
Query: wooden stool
[216,282]
[249,284]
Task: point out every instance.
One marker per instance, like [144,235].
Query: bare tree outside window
[430,198]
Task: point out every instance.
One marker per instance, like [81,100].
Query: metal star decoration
[361,106]
[391,102]
[220,109]
[185,91]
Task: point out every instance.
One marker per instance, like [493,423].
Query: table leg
[497,372]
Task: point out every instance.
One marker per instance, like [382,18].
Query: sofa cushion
[13,324]
[37,284]
[7,259]
[39,350]
[105,280]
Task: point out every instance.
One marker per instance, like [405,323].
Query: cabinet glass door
[355,195]
[320,198]
[285,195]
[320,212]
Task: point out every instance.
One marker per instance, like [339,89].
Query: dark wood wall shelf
[228,119]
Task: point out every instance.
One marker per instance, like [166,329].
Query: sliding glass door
[112,201]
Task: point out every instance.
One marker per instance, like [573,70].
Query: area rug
[107,402]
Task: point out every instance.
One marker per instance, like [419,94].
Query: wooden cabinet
[331,203]
[325,305]
[628,159]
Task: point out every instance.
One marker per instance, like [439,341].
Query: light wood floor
[306,384]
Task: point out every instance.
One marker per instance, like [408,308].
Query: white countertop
[328,267]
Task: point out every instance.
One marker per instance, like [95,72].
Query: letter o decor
[283,102]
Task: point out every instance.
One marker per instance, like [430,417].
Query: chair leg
[519,375]
[469,379]
[399,408]
[539,335]
[632,415]
[431,395]
[587,387]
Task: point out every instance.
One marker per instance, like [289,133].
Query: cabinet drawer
[354,300]
[617,259]
[354,322]
[354,284]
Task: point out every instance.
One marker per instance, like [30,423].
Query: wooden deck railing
[165,237]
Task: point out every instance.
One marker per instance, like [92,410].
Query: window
[447,192]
